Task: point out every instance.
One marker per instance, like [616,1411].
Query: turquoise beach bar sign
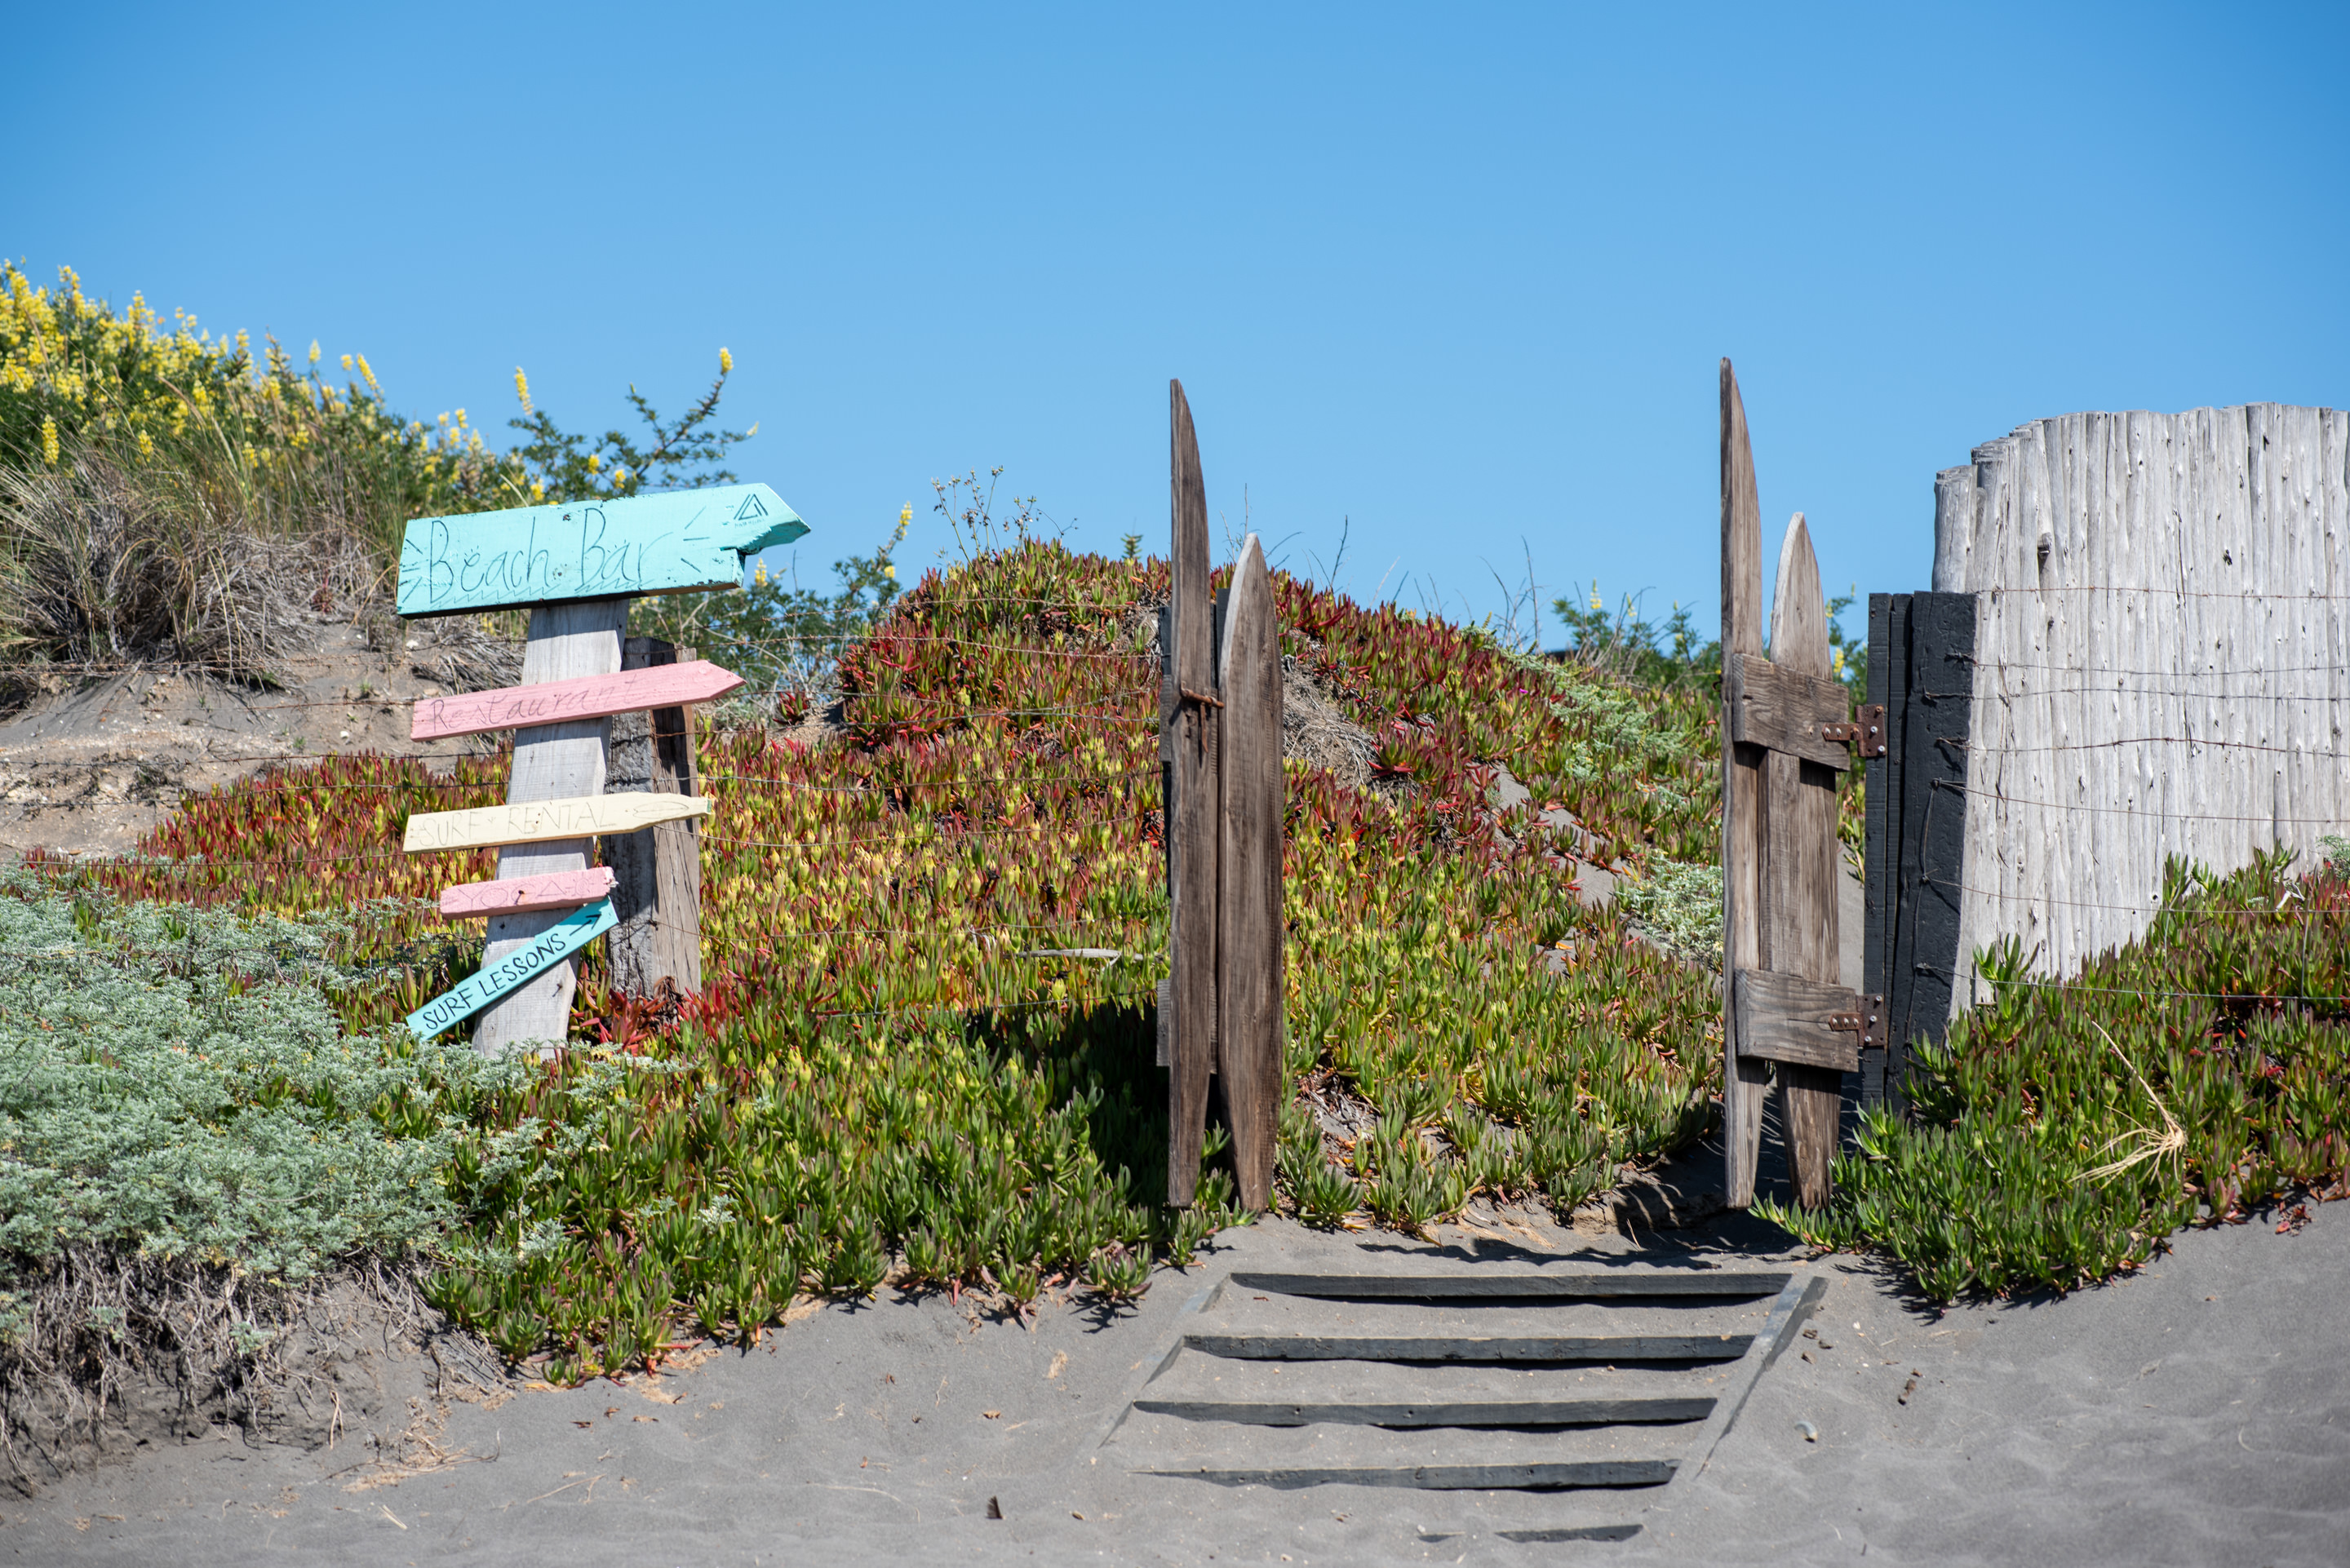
[492,980]
[673,542]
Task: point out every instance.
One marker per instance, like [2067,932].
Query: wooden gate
[1786,725]
[1219,1010]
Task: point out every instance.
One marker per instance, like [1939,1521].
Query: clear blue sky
[1460,275]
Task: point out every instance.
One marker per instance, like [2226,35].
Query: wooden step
[1513,1413]
[1497,1347]
[1578,1284]
[1195,1379]
[1452,1460]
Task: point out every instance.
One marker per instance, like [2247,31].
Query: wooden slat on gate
[1785,727]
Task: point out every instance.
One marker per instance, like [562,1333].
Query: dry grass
[102,566]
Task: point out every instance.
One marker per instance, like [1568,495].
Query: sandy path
[2198,1414]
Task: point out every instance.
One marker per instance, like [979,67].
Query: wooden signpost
[674,542]
[492,980]
[575,566]
[591,697]
[1219,744]
[556,890]
[541,821]
[1785,727]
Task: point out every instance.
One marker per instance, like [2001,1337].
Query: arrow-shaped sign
[485,985]
[661,543]
[587,697]
[542,821]
[521,895]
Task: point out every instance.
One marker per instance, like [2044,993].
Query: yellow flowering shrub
[251,433]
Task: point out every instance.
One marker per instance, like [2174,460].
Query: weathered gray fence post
[1743,1078]
[1249,942]
[1189,710]
[1784,728]
[551,762]
[658,897]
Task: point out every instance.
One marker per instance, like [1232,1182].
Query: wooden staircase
[1472,1377]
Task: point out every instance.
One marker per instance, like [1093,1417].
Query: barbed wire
[2330,1001]
[1994,661]
[246,786]
[2002,750]
[1958,787]
[2142,693]
[2304,594]
[2154,909]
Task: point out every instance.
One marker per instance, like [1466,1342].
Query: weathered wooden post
[1189,709]
[1219,1010]
[1784,730]
[1743,1078]
[658,899]
[1249,926]
[577,565]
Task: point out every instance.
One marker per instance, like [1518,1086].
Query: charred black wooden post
[659,896]
[1189,732]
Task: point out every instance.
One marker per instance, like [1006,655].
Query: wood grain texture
[545,821]
[1462,1413]
[1800,856]
[2163,662]
[1191,742]
[633,691]
[1521,1476]
[1739,1284]
[555,890]
[659,938]
[556,948]
[1484,1349]
[1775,708]
[1784,1019]
[1248,940]
[1743,1078]
[669,542]
[551,762]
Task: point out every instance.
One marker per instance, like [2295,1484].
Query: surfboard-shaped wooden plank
[1248,934]
[558,701]
[663,544]
[552,890]
[1745,1080]
[1188,741]
[539,821]
[494,979]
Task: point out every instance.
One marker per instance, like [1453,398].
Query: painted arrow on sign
[588,697]
[521,895]
[543,821]
[478,989]
[668,543]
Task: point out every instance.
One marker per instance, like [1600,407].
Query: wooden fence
[1219,1010]
[2138,647]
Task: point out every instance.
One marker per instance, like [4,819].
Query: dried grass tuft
[102,566]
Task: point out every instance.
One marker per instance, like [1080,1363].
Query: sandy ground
[2198,1413]
[88,767]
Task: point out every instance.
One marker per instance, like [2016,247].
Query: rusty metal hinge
[1869,1023]
[1867,735]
